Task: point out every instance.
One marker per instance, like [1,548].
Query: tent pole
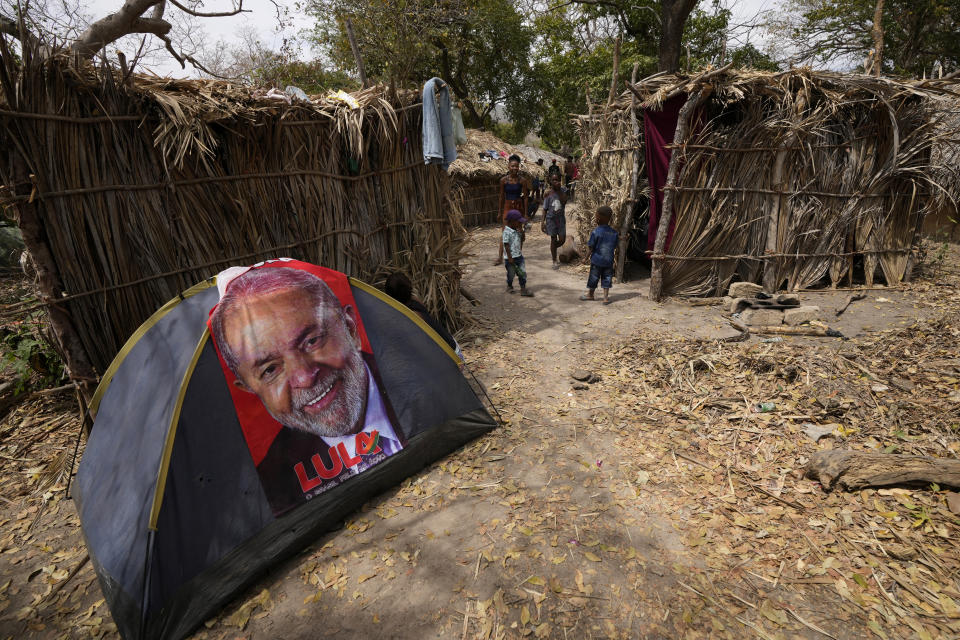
[84,421]
[147,565]
[484,390]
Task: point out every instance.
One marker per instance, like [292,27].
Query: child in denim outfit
[513,258]
[603,241]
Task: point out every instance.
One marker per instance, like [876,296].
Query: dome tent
[176,492]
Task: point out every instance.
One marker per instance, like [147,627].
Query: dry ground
[654,504]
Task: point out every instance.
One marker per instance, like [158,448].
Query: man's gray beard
[353,398]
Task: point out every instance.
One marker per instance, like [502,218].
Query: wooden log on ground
[852,470]
[782,330]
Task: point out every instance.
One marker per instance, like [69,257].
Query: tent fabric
[659,127]
[215,531]
[118,474]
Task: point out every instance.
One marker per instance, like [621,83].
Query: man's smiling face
[302,358]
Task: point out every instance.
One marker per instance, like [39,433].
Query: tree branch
[217,14]
[114,26]
[9,27]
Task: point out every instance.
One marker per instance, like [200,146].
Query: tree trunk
[474,118]
[356,54]
[75,356]
[877,33]
[854,470]
[669,195]
[616,73]
[673,15]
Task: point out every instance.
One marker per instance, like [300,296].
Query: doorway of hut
[637,265]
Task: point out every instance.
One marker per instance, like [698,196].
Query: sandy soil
[537,529]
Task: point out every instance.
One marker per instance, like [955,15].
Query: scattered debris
[743,289]
[816,431]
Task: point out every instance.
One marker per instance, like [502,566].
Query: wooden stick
[770,256]
[73,572]
[666,215]
[782,192]
[356,54]
[48,281]
[787,330]
[616,72]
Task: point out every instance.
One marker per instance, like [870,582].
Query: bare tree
[41,21]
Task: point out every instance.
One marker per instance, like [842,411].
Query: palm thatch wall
[943,221]
[130,190]
[612,172]
[791,176]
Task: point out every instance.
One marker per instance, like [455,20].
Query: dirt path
[652,504]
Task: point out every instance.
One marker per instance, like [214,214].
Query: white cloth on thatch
[438,141]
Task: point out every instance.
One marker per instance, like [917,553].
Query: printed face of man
[302,358]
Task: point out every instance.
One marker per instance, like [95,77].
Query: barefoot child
[554,222]
[512,243]
[603,240]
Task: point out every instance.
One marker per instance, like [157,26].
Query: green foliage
[704,36]
[575,46]
[480,48]
[917,33]
[508,132]
[28,356]
[749,57]
[310,76]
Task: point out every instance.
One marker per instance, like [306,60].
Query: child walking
[603,241]
[513,258]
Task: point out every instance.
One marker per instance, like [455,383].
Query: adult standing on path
[554,222]
[514,194]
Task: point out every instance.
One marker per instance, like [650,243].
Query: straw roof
[790,176]
[731,85]
[129,191]
[469,164]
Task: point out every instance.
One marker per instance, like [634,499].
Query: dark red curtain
[658,130]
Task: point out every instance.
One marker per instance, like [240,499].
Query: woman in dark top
[514,194]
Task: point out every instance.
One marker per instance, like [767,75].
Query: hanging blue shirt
[603,241]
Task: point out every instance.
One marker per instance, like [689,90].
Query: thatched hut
[129,190]
[481,162]
[943,221]
[783,178]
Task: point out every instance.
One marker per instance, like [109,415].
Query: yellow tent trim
[412,315]
[139,333]
[172,432]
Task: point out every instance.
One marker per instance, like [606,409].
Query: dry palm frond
[789,174]
[175,180]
